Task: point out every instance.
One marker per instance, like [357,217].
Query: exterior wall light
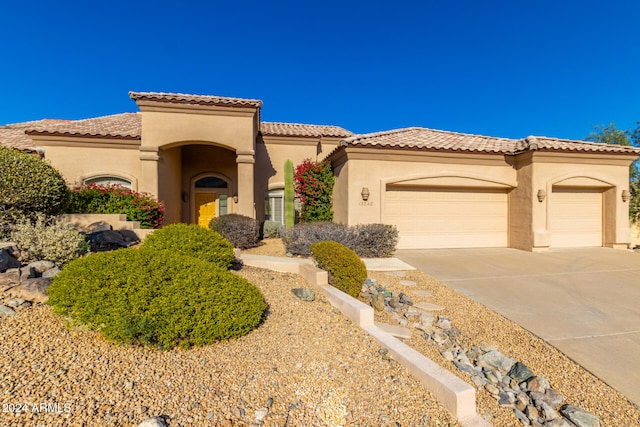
[235,199]
[541,195]
[626,195]
[365,193]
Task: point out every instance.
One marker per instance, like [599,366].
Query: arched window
[108,180]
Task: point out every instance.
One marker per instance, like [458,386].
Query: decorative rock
[428,306]
[478,380]
[32,289]
[520,372]
[377,302]
[239,412]
[304,294]
[260,414]
[495,359]
[154,422]
[553,398]
[547,412]
[487,348]
[579,416]
[6,311]
[522,417]
[537,384]
[7,260]
[97,226]
[411,312]
[559,422]
[394,303]
[41,266]
[531,412]
[15,302]
[447,354]
[465,368]
[492,389]
[51,273]
[506,400]
[443,322]
[404,299]
[400,319]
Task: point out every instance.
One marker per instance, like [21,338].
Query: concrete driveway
[585,301]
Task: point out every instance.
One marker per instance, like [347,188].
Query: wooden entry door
[205,208]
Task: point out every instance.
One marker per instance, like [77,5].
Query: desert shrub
[367,240]
[159,298]
[192,240]
[298,240]
[271,229]
[242,231]
[346,271]
[372,240]
[30,185]
[116,199]
[47,239]
[8,219]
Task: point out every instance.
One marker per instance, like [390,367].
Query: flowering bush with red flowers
[116,199]
[314,185]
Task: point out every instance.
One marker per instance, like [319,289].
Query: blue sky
[500,68]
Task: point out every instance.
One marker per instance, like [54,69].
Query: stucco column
[149,158]
[246,161]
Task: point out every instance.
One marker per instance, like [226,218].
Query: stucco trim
[85,142]
[579,181]
[442,177]
[159,107]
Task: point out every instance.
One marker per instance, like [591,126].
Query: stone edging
[455,394]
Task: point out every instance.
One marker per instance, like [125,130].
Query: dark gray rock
[537,384]
[6,311]
[304,294]
[506,400]
[7,260]
[520,372]
[522,417]
[443,322]
[404,299]
[464,367]
[497,360]
[40,266]
[553,398]
[579,416]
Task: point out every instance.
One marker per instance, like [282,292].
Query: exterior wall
[272,152]
[169,174]
[78,158]
[375,169]
[340,194]
[542,171]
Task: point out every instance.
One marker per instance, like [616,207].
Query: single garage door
[448,218]
[575,217]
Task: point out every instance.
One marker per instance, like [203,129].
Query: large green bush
[367,240]
[116,199]
[346,271]
[160,298]
[242,231]
[47,239]
[29,184]
[192,240]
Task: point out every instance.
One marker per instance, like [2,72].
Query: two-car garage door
[448,218]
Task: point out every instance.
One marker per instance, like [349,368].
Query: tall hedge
[30,185]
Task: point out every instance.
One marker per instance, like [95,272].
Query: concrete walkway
[585,301]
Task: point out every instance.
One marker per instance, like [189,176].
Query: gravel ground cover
[305,366]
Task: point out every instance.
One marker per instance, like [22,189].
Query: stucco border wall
[117,222]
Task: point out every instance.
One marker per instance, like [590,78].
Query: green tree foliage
[610,134]
[314,187]
[289,195]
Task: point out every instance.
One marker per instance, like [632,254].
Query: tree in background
[314,186]
[610,134]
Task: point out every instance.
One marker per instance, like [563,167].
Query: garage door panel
[434,218]
[575,217]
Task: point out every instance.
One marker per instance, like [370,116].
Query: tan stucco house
[441,189]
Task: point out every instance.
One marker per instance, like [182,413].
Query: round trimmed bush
[242,231]
[29,184]
[192,240]
[159,298]
[346,271]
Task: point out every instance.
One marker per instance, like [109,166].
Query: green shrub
[159,298]
[30,185]
[47,239]
[242,231]
[346,271]
[116,199]
[271,229]
[367,240]
[192,240]
[8,219]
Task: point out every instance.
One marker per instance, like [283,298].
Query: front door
[205,208]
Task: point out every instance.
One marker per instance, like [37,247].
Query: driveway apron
[583,301]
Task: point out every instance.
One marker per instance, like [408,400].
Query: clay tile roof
[13,135]
[124,126]
[296,129]
[554,144]
[431,139]
[181,98]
